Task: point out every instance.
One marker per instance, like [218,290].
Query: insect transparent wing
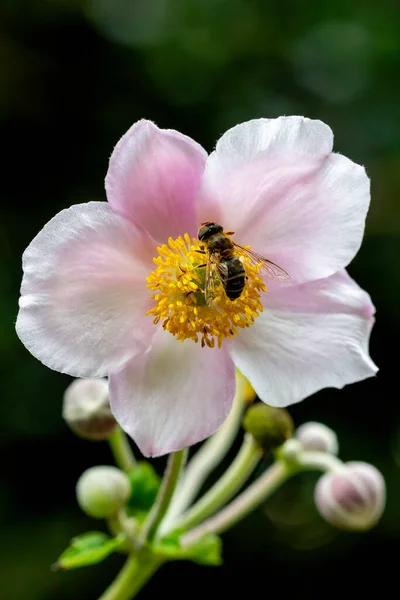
[214,273]
[273,271]
[222,270]
[267,267]
[210,281]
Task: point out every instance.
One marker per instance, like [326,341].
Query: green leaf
[206,551]
[88,549]
[145,484]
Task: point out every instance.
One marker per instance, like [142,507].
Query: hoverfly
[224,263]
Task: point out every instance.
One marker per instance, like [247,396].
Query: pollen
[178,285]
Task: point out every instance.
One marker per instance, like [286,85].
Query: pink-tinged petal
[278,186]
[83,295]
[309,337]
[175,395]
[153,178]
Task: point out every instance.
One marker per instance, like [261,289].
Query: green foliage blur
[74,75]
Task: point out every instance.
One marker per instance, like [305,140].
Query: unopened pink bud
[353,498]
[317,436]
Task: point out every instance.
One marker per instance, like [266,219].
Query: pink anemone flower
[117,288]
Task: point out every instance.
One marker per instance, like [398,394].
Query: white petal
[174,395]
[309,337]
[83,295]
[307,137]
[277,185]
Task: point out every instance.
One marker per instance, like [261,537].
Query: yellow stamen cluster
[179,282]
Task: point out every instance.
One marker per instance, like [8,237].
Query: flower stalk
[211,453]
[174,468]
[121,450]
[262,489]
[142,563]
[319,461]
[244,504]
[136,572]
[229,484]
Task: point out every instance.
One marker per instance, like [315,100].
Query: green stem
[229,484]
[121,450]
[207,457]
[132,577]
[244,504]
[318,461]
[261,489]
[120,523]
[175,464]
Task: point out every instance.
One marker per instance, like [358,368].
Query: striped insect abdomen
[233,277]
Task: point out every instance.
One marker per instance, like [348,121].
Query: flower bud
[269,426]
[101,491]
[316,436]
[353,498]
[86,409]
[290,450]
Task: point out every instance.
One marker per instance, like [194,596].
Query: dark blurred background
[74,76]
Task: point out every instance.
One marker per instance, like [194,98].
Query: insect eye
[204,233]
[215,228]
[208,229]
